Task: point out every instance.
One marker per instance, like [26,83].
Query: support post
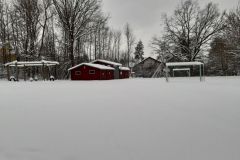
[8,73]
[167,74]
[48,73]
[203,72]
[24,72]
[16,65]
[43,71]
[200,70]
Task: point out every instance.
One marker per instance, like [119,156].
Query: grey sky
[145,15]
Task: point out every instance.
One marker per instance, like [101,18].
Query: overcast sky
[145,15]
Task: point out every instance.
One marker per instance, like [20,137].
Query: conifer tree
[139,51]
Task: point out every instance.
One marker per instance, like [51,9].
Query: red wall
[124,74]
[99,74]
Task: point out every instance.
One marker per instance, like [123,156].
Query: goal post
[185,64]
[188,70]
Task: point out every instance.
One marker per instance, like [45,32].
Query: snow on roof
[31,63]
[181,69]
[184,64]
[98,66]
[107,62]
[124,68]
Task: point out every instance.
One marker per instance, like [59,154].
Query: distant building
[146,68]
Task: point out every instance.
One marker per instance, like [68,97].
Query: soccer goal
[188,70]
[184,64]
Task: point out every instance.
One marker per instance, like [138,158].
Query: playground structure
[184,64]
[44,65]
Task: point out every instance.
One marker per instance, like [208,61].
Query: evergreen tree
[139,51]
[221,58]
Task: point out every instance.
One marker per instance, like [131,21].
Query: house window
[92,72]
[77,73]
[121,73]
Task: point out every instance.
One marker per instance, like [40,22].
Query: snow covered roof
[124,68]
[184,64]
[181,69]
[107,62]
[98,66]
[31,63]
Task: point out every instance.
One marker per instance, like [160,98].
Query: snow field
[135,119]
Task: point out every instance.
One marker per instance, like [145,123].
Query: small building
[90,71]
[124,73]
[146,68]
[114,65]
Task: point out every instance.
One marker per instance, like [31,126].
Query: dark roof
[147,59]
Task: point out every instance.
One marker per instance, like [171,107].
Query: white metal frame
[182,69]
[182,64]
[23,64]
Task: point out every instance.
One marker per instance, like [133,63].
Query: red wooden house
[89,71]
[99,70]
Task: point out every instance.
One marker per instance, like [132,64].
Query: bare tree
[119,38]
[130,39]
[190,28]
[29,11]
[46,16]
[75,17]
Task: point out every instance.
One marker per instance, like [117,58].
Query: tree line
[70,32]
[77,31]
[195,33]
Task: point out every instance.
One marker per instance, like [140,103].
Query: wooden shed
[146,68]
[90,71]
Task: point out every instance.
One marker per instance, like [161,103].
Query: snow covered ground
[136,119]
